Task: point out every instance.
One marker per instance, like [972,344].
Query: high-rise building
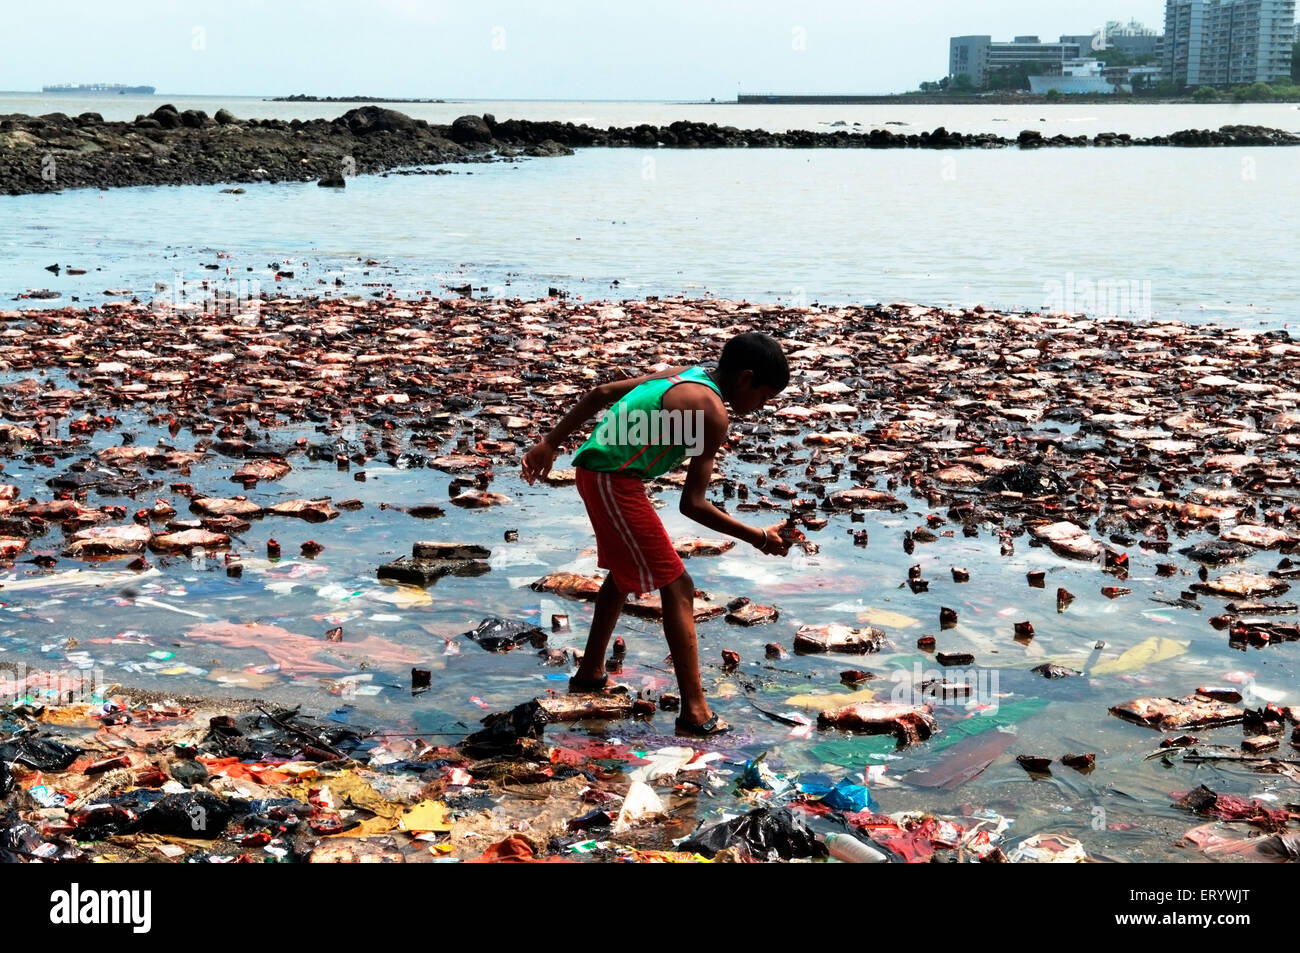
[1227,42]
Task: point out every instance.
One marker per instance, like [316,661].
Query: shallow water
[1149,233]
[1121,810]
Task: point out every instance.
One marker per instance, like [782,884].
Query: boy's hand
[538,462]
[774,543]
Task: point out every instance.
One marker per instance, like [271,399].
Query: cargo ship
[99,88]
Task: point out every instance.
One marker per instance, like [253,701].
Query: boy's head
[751,371]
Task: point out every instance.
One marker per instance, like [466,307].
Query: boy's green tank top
[638,436]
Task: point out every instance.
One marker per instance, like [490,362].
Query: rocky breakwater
[169,147]
[698,135]
[1195,138]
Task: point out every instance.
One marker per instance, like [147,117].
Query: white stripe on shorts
[616,517]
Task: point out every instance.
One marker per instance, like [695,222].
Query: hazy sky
[502,49]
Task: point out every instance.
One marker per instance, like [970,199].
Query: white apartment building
[1228,42]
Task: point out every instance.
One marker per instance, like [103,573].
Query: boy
[657,420]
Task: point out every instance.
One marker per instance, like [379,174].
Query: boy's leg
[679,628]
[609,606]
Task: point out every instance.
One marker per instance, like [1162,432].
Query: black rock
[415,571]
[471,130]
[548,148]
[369,120]
[167,116]
[1215,552]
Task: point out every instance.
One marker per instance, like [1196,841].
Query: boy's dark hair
[754,351]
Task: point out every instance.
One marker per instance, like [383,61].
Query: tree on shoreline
[949,84]
[1016,77]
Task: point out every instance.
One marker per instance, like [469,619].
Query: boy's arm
[538,460]
[696,505]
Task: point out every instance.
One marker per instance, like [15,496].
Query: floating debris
[835,637]
[908,723]
[1067,539]
[502,635]
[1035,764]
[695,546]
[1051,670]
[1173,714]
[1248,584]
[750,613]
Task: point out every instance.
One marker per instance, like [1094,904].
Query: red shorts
[631,541]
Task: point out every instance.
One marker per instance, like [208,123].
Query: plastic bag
[198,815]
[848,796]
[43,754]
[502,635]
[640,802]
[767,833]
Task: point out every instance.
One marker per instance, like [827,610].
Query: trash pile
[166,782]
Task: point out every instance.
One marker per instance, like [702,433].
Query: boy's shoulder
[694,395]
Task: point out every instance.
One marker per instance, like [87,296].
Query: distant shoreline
[304,98]
[172,147]
[946,99]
